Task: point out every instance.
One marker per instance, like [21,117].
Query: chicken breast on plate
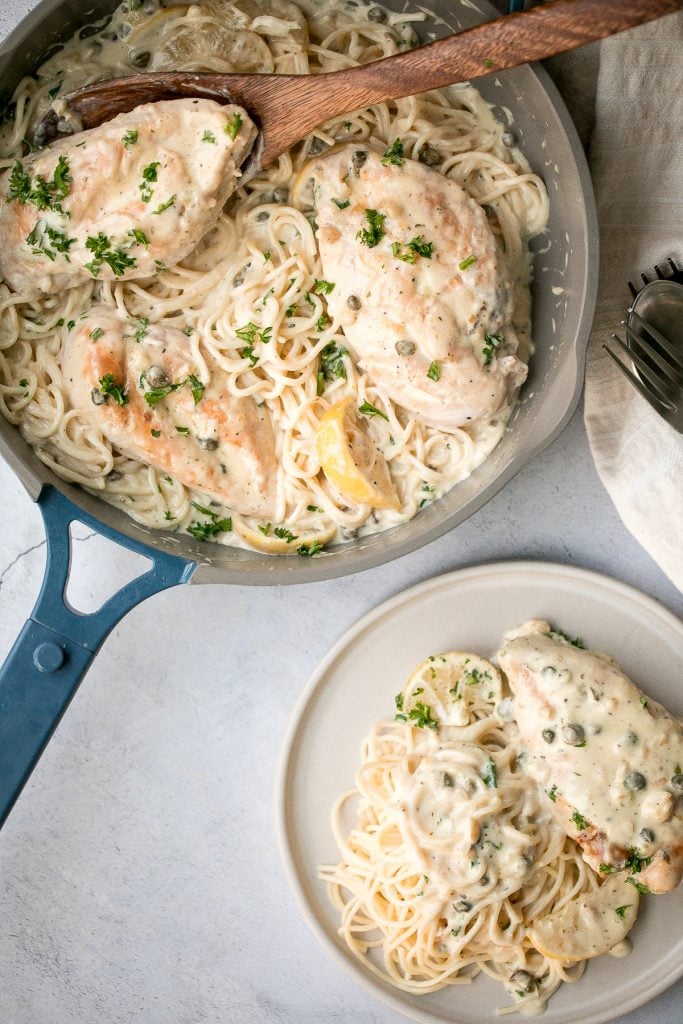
[142,387]
[609,757]
[123,200]
[421,289]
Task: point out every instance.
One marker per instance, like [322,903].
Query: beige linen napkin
[636,159]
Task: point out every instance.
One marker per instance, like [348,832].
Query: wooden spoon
[287,108]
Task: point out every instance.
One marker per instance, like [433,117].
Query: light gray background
[139,875]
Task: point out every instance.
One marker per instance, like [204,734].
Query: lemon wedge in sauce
[450,684]
[350,460]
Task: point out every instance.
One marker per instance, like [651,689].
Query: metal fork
[656,358]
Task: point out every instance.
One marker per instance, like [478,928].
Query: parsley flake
[393,156]
[130,138]
[371,410]
[111,389]
[374,233]
[233,126]
[434,371]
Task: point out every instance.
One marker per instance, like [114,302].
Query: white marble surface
[139,874]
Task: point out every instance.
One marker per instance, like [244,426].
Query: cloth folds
[636,159]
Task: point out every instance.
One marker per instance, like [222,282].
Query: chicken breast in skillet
[609,757]
[145,391]
[421,289]
[122,200]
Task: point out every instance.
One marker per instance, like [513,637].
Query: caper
[646,835]
[484,880]
[263,215]
[316,146]
[209,444]
[462,906]
[548,735]
[635,780]
[677,783]
[447,780]
[573,734]
[156,377]
[406,348]
[97,397]
[280,194]
[358,159]
[114,476]
[523,981]
[238,279]
[139,58]
[353,302]
[429,156]
[377,14]
[508,138]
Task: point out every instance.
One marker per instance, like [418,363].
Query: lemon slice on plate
[279,540]
[591,924]
[450,685]
[351,461]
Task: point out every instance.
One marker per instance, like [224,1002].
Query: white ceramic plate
[354,686]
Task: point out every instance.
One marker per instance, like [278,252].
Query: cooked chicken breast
[122,200]
[143,388]
[421,289]
[608,756]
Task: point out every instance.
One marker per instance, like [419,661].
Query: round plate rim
[554,570]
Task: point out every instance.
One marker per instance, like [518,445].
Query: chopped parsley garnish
[252,332]
[421,248]
[155,433]
[52,93]
[248,353]
[283,534]
[557,634]
[579,821]
[233,126]
[644,702]
[130,138]
[215,525]
[188,331]
[371,410]
[314,508]
[97,333]
[342,203]
[141,328]
[374,233]
[149,174]
[607,869]
[265,529]
[155,395]
[266,256]
[40,193]
[642,889]
[552,793]
[185,431]
[491,343]
[434,371]
[398,701]
[308,550]
[71,324]
[139,236]
[47,241]
[117,260]
[322,322]
[621,911]
[208,136]
[111,389]
[323,287]
[402,254]
[23,383]
[488,63]
[464,264]
[635,863]
[394,154]
[490,775]
[196,387]
[164,206]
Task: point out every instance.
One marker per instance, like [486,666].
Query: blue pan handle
[516,5]
[54,649]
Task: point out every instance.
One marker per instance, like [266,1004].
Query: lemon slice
[450,685]
[350,460]
[591,924]
[280,540]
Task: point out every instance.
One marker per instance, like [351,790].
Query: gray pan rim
[223,564]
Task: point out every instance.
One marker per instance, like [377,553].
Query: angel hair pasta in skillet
[283,364]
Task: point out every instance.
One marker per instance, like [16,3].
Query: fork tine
[632,288]
[653,390]
[674,268]
[673,373]
[675,356]
[659,273]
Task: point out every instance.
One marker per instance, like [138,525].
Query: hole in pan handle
[54,649]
